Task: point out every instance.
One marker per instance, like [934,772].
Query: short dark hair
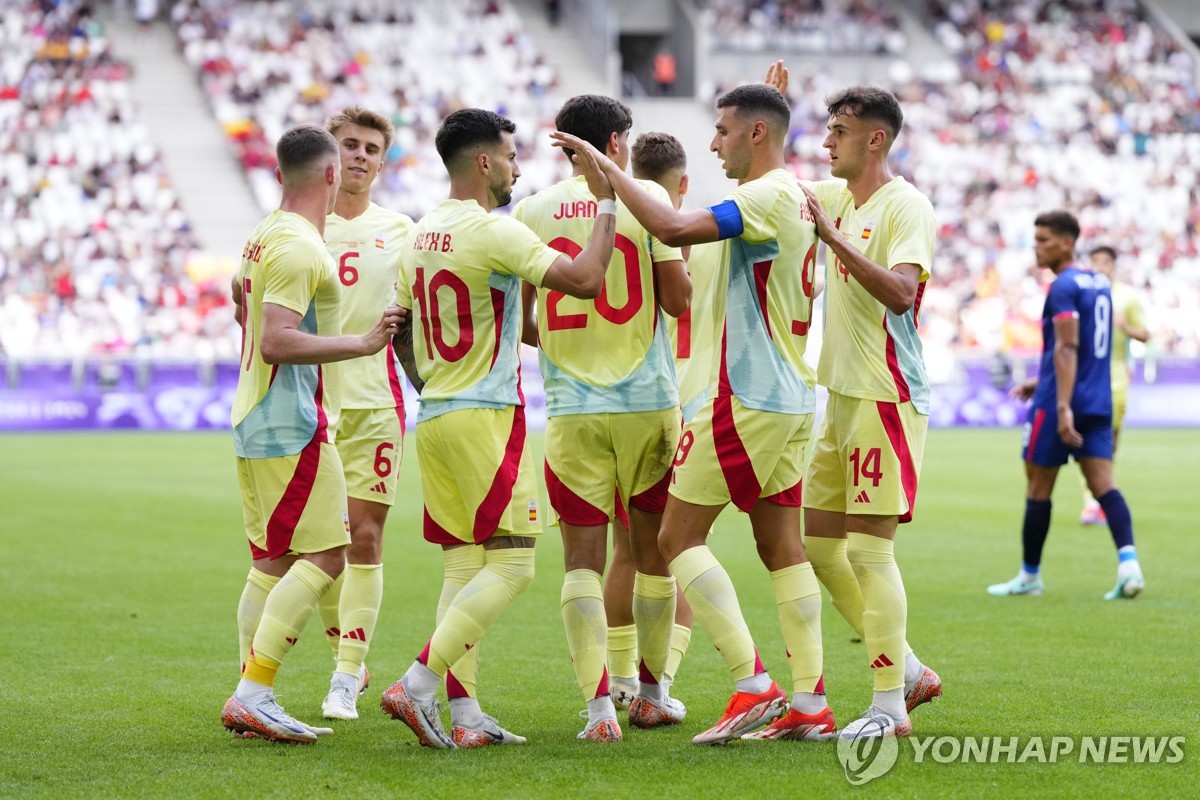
[1104,250]
[868,102]
[364,118]
[593,118]
[302,146]
[467,128]
[760,101]
[1062,223]
[655,154]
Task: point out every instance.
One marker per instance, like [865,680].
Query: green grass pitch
[123,561]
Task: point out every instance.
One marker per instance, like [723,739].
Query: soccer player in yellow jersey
[862,477]
[746,445]
[285,413]
[365,242]
[1129,323]
[461,273]
[660,157]
[612,419]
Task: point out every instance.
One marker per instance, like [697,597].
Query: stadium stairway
[210,182]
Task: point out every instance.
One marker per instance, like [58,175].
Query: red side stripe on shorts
[654,499]
[619,511]
[890,414]
[1039,417]
[570,507]
[395,385]
[286,516]
[735,462]
[499,495]
[791,498]
[436,534]
[256,552]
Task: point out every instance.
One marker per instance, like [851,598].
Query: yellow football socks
[654,616]
[708,589]
[829,562]
[681,637]
[362,594]
[287,610]
[582,601]
[474,610]
[623,651]
[798,598]
[250,609]
[459,566]
[885,607]
[328,609]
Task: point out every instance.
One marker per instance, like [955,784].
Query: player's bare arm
[402,343]
[583,276]
[529,331]
[671,227]
[1135,332]
[284,343]
[673,286]
[896,288]
[1066,363]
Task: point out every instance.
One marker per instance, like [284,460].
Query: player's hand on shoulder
[825,228]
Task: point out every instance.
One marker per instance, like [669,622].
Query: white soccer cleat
[1128,586]
[623,690]
[424,719]
[647,713]
[1017,586]
[364,678]
[874,724]
[602,730]
[342,700]
[487,734]
[265,719]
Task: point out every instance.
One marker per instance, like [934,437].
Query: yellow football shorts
[594,461]
[1120,405]
[477,476]
[867,458]
[371,443]
[294,504]
[733,453]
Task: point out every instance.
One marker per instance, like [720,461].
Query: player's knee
[366,544]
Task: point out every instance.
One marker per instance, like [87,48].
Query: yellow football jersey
[867,351]
[611,354]
[1127,304]
[278,409]
[367,252]
[695,334]
[460,274]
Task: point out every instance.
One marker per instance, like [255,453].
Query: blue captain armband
[729,219]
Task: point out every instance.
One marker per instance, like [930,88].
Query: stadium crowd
[93,243]
[808,26]
[268,66]
[1057,104]
[1077,105]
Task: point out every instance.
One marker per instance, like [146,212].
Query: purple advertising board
[184,397]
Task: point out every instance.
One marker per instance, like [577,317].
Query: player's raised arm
[671,227]
[583,276]
[895,288]
[284,343]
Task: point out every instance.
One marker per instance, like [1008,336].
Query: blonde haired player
[613,419]
[461,275]
[285,413]
[747,444]
[1129,324]
[364,240]
[660,157]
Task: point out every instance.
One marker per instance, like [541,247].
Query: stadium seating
[808,26]
[269,66]
[93,243]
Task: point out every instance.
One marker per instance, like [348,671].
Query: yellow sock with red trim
[681,637]
[710,592]
[798,599]
[582,601]
[623,651]
[250,610]
[328,608]
[362,594]
[885,607]
[287,610]
[459,566]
